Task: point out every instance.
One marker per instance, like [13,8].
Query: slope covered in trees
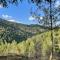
[17,31]
[38,46]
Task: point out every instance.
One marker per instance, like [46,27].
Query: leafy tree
[5,3]
[51,13]
[50,17]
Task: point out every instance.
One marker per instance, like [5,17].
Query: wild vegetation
[43,45]
[37,46]
[16,31]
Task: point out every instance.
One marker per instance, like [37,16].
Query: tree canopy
[6,2]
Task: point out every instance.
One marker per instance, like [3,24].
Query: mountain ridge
[17,31]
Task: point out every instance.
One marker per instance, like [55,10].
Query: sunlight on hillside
[37,45]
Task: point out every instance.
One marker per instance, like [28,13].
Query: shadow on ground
[25,58]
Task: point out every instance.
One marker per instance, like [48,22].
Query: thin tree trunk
[51,57]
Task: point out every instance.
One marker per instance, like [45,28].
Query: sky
[20,13]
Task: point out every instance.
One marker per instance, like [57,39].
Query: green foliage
[14,31]
[39,45]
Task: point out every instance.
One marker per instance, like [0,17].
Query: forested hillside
[38,46]
[16,31]
[28,40]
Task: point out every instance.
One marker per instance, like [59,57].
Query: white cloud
[41,17]
[6,16]
[1,6]
[58,23]
[31,18]
[12,20]
[57,3]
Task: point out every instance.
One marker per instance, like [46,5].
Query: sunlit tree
[51,13]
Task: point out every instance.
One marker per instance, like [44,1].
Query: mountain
[17,31]
[39,46]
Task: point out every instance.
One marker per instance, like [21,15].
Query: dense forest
[17,31]
[36,44]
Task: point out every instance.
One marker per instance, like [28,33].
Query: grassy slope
[31,45]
